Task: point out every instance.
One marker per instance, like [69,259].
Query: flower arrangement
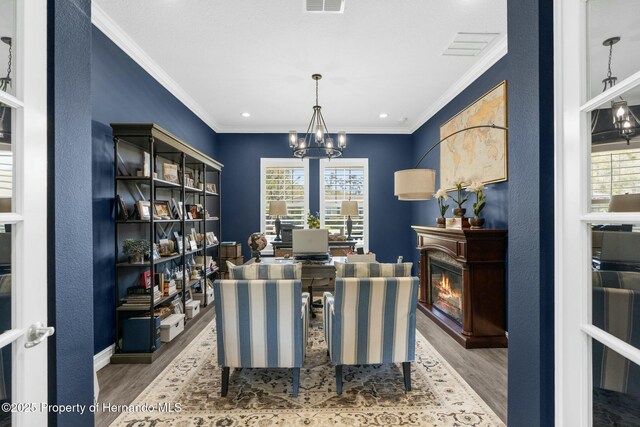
[313,221]
[442,197]
[459,211]
[478,188]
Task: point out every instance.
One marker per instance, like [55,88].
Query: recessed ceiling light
[245,114]
[383,115]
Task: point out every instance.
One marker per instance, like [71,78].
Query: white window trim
[572,311]
[359,162]
[272,162]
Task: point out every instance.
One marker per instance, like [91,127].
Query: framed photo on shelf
[144,209]
[187,295]
[161,209]
[188,180]
[211,238]
[177,306]
[170,172]
[156,253]
[121,209]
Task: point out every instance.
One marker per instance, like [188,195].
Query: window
[288,180]
[613,173]
[342,180]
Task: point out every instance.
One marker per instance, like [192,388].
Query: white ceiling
[223,58]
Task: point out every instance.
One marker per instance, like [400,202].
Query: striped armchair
[370,321]
[261,324]
[616,309]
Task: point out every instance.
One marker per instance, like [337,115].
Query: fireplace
[445,288]
[462,287]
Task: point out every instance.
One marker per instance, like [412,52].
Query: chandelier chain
[610,55]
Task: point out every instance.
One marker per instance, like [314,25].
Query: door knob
[38,333]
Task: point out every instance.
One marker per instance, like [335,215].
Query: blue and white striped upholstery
[265,271]
[371,320]
[372,269]
[261,323]
[616,309]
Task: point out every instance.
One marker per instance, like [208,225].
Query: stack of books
[169,288]
[139,297]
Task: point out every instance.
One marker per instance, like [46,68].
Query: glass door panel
[616,388]
[7,46]
[610,19]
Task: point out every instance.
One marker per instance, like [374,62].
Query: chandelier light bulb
[293,137]
[620,112]
[342,139]
[626,124]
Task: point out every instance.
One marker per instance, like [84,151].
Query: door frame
[29,220]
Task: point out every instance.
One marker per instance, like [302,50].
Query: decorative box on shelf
[200,296]
[192,308]
[230,250]
[135,334]
[171,327]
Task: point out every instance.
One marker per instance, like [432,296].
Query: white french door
[597,205]
[23,219]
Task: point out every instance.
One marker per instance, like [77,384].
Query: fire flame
[445,289]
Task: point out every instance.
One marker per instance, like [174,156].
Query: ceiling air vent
[324,6]
[469,44]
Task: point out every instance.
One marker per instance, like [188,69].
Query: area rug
[187,393]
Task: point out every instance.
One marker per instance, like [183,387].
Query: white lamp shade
[278,208]
[349,208]
[625,203]
[414,184]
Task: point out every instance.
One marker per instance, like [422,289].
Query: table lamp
[278,208]
[624,203]
[347,209]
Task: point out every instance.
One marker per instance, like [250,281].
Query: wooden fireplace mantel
[481,255]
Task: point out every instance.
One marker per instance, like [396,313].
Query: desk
[311,272]
[336,247]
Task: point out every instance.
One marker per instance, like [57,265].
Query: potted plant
[441,196]
[313,221]
[459,211]
[136,249]
[481,201]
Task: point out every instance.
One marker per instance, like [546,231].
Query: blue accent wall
[523,204]
[122,92]
[389,219]
[70,242]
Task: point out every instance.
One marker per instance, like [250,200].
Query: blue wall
[524,204]
[389,233]
[70,243]
[122,92]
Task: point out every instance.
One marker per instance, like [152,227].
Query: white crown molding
[497,51]
[355,130]
[113,31]
[103,358]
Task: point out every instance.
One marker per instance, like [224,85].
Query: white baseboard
[103,358]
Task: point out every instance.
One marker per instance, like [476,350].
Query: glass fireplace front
[445,286]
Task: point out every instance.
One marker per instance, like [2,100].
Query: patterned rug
[372,395]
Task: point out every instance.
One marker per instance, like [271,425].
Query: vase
[476,222]
[137,258]
[459,212]
[441,221]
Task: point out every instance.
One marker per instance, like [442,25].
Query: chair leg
[225,381]
[406,370]
[339,379]
[296,381]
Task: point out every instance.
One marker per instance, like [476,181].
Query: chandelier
[317,142]
[623,119]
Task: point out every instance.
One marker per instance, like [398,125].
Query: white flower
[459,181]
[475,186]
[441,194]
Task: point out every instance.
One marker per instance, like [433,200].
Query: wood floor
[485,370]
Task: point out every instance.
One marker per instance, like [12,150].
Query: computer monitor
[310,242]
